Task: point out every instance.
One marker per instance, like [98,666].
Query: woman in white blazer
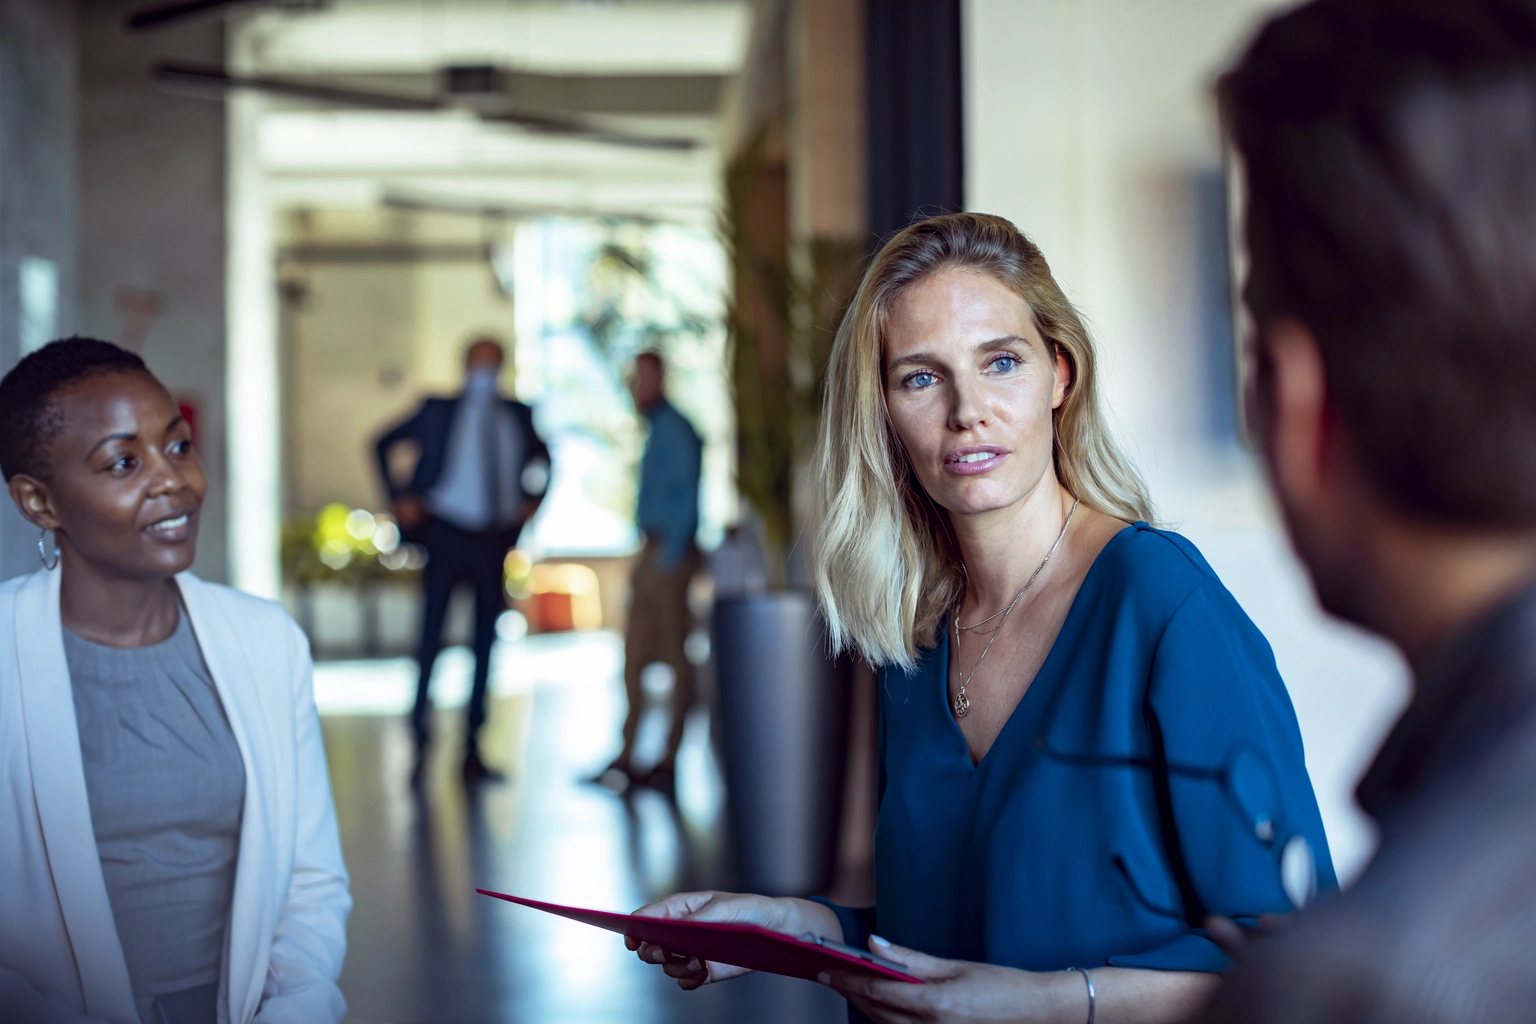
[95,453]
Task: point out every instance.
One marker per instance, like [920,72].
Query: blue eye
[920,379]
[1004,364]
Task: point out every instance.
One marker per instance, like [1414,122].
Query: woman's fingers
[693,981]
[679,904]
[865,993]
[650,952]
[889,1001]
[690,971]
[1229,935]
[896,995]
[1236,940]
[686,967]
[919,965]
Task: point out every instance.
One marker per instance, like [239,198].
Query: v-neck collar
[1049,672]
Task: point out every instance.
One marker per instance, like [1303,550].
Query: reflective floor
[425,947]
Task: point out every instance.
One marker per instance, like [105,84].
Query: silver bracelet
[1089,979]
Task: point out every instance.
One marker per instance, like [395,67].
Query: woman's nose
[167,478]
[967,410]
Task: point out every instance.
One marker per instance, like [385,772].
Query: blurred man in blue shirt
[668,517]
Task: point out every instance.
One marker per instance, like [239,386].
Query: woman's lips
[172,529]
[973,461]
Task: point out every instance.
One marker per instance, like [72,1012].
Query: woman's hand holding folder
[790,916]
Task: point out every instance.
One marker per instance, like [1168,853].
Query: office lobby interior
[300,212]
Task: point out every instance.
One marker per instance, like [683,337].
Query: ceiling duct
[209,80]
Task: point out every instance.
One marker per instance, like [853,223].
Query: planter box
[781,726]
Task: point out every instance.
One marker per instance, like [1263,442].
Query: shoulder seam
[1205,571]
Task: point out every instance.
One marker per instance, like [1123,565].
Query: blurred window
[589,295]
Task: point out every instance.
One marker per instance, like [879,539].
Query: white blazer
[60,959]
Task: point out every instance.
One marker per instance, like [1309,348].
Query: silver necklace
[962,702]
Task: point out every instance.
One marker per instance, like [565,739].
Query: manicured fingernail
[695,964]
[877,940]
[824,978]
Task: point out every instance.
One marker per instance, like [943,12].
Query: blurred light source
[518,570]
[561,585]
[386,535]
[1298,871]
[502,266]
[657,679]
[337,558]
[696,647]
[331,525]
[511,626]
[360,524]
[332,540]
[535,478]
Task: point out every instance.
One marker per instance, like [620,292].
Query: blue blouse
[1051,852]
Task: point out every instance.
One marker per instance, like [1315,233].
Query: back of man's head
[1389,149]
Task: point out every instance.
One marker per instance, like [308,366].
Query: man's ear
[1295,434]
[33,500]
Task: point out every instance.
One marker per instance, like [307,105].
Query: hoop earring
[42,550]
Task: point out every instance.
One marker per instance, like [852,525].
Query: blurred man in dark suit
[1387,149]
[481,471]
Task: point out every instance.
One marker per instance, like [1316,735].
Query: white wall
[368,340]
[1089,124]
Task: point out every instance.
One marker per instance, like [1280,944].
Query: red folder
[740,945]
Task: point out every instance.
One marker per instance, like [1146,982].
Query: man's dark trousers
[457,556]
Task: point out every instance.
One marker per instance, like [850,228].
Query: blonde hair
[887,565]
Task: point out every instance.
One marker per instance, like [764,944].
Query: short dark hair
[1390,156]
[486,339]
[29,413]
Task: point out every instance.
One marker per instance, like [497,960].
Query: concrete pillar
[37,203]
[152,225]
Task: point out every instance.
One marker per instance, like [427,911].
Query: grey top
[166,786]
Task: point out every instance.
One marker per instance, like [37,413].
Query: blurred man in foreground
[668,516]
[1389,155]
[481,471]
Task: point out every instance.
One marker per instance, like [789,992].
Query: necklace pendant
[962,704]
